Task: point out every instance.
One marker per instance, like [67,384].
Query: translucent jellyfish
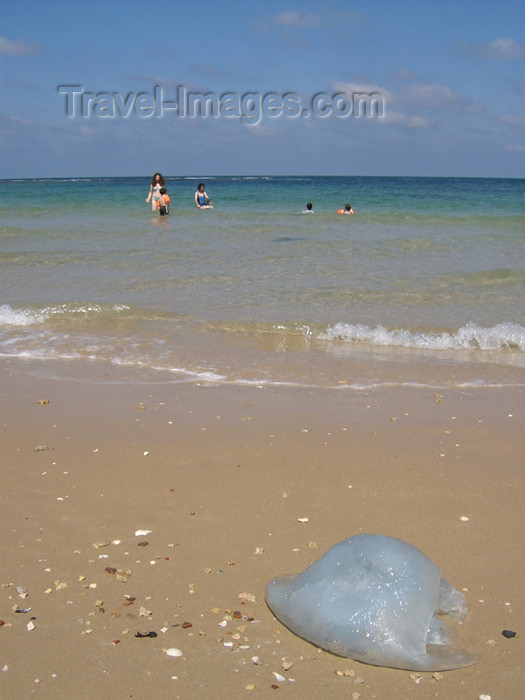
[373,599]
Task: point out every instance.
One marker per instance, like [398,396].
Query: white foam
[33,316]
[502,336]
[23,317]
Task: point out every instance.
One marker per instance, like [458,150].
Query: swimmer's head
[309,206]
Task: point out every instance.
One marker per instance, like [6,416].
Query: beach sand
[219,476]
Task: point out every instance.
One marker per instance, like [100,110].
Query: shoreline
[220,475]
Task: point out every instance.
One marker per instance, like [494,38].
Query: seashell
[247,596]
[374,599]
[173,651]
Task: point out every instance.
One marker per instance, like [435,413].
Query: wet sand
[220,476]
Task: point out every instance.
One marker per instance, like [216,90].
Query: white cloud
[87,131]
[23,122]
[10,47]
[293,18]
[419,96]
[428,95]
[258,129]
[403,74]
[362,89]
[411,121]
[415,122]
[436,96]
[503,48]
[512,119]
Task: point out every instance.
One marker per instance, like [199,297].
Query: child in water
[164,202]
[347,210]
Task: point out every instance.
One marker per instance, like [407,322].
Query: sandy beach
[132,508]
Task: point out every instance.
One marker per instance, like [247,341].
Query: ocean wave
[22,317]
[502,336]
[35,315]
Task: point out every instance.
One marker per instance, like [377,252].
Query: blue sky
[450,74]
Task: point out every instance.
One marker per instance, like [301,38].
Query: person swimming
[309,208]
[202,201]
[347,210]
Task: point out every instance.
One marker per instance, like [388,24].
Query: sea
[423,286]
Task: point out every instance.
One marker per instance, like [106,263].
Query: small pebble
[483,696]
[509,634]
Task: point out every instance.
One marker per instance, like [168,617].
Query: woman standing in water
[202,201]
[157,181]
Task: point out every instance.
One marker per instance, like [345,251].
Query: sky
[425,88]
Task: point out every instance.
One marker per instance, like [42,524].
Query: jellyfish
[375,599]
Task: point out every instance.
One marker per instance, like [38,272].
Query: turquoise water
[425,284]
